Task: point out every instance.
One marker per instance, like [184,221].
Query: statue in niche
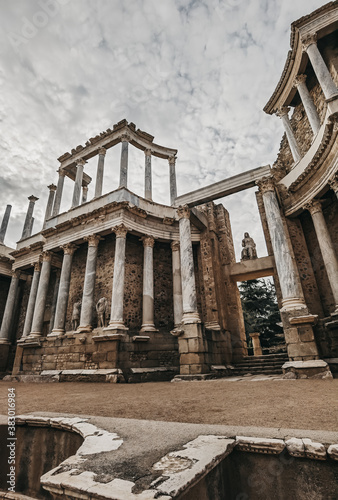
[249,248]
[101,310]
[76,315]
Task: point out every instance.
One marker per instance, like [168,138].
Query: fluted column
[177,283]
[62,301]
[99,173]
[295,151]
[32,300]
[116,315]
[41,296]
[27,228]
[326,247]
[89,284]
[147,175]
[333,183]
[78,182]
[4,223]
[322,73]
[9,309]
[50,202]
[190,313]
[124,161]
[58,194]
[172,177]
[309,106]
[84,194]
[148,285]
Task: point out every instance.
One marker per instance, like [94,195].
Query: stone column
[41,296]
[147,175]
[172,176]
[54,299]
[116,316]
[58,194]
[310,108]
[283,114]
[78,182]
[27,228]
[333,183]
[177,283]
[124,161]
[190,313]
[89,284]
[50,202]
[99,173]
[32,300]
[9,309]
[62,301]
[148,285]
[326,247]
[4,223]
[256,344]
[84,194]
[322,73]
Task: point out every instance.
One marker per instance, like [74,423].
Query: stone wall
[5,282]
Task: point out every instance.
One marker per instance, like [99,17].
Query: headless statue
[76,315]
[101,309]
[249,248]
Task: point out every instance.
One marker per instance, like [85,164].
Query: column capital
[147,152]
[80,161]
[148,241]
[175,246]
[266,184]
[120,231]
[37,266]
[33,198]
[309,40]
[183,212]
[16,273]
[125,138]
[46,256]
[93,240]
[172,160]
[333,183]
[313,207]
[69,248]
[61,172]
[52,187]
[284,110]
[102,151]
[299,80]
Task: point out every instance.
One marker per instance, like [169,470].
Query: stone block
[260,445]
[112,356]
[291,335]
[191,359]
[108,346]
[306,334]
[183,346]
[196,345]
[97,357]
[184,369]
[302,349]
[48,366]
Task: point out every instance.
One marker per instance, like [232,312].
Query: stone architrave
[309,106]
[78,182]
[50,202]
[124,161]
[9,308]
[256,344]
[190,313]
[177,283]
[41,296]
[4,223]
[27,228]
[62,301]
[295,151]
[148,285]
[32,300]
[86,317]
[172,176]
[99,173]
[147,175]
[58,194]
[333,183]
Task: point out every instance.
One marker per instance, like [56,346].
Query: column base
[212,325]
[299,336]
[84,329]
[56,332]
[191,318]
[192,351]
[4,342]
[306,369]
[33,335]
[148,327]
[115,325]
[293,303]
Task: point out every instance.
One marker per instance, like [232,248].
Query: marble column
[309,106]
[295,151]
[116,316]
[190,313]
[148,285]
[58,194]
[86,316]
[177,283]
[9,309]
[147,175]
[4,223]
[326,247]
[333,183]
[62,301]
[78,182]
[84,193]
[172,177]
[99,173]
[124,161]
[32,300]
[54,299]
[322,73]
[292,294]
[41,296]
[256,344]
[50,202]
[27,228]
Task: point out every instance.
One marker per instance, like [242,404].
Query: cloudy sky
[195,74]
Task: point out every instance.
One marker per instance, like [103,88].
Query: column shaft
[172,176]
[148,286]
[32,300]
[54,299]
[78,183]
[9,309]
[4,223]
[99,173]
[295,151]
[28,225]
[50,202]
[58,194]
[310,108]
[147,176]
[41,297]
[322,73]
[177,283]
[124,163]
[89,285]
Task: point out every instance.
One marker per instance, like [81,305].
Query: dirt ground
[301,404]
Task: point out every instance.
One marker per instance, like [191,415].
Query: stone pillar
[84,194]
[309,106]
[333,183]
[27,228]
[58,194]
[124,161]
[283,114]
[177,283]
[41,296]
[62,301]
[148,285]
[9,309]
[50,202]
[326,247]
[89,284]
[99,173]
[116,316]
[32,300]
[172,176]
[322,73]
[78,182]
[147,175]
[54,299]
[256,344]
[4,223]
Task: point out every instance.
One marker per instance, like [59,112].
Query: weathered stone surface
[259,445]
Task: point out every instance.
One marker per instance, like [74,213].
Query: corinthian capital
[284,110]
[266,184]
[309,40]
[175,246]
[172,160]
[298,80]
[69,248]
[46,256]
[147,152]
[52,187]
[102,151]
[333,183]
[148,241]
[313,207]
[93,240]
[80,161]
[125,138]
[120,231]
[183,212]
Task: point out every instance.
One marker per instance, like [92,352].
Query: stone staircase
[270,364]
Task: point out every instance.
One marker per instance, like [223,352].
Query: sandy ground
[301,404]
